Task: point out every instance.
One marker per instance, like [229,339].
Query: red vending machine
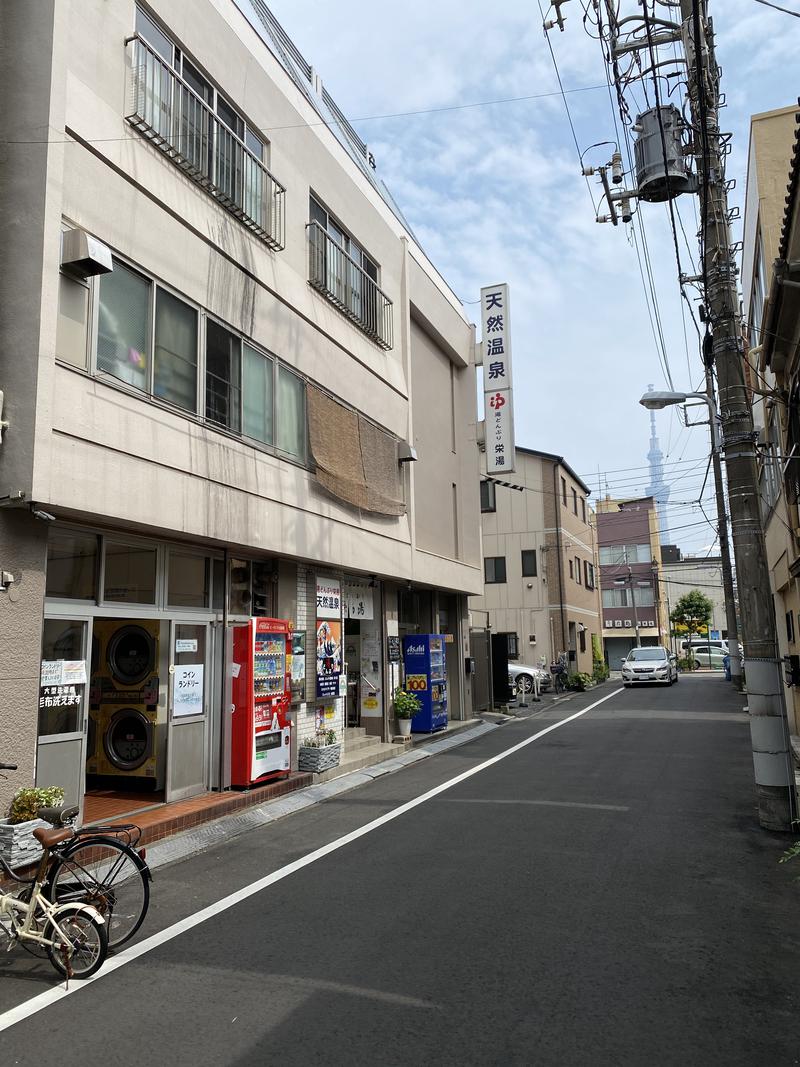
[260,734]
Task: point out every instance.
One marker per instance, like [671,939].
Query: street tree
[693,610]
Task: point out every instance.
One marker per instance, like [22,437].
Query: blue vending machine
[426,678]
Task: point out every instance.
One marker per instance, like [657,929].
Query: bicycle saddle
[50,838]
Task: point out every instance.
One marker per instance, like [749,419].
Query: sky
[494,193]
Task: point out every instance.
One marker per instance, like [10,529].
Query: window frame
[531,553]
[588,575]
[583,508]
[574,500]
[494,580]
[491,495]
[578,569]
[347,238]
[564,491]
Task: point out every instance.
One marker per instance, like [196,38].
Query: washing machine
[123,702]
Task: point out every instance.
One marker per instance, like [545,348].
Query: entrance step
[361,751]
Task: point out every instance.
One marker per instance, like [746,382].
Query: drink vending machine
[426,678]
[261,690]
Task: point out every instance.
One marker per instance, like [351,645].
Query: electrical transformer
[661,175]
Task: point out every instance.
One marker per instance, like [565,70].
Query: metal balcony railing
[338,277]
[165,110]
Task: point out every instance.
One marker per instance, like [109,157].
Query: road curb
[223,829]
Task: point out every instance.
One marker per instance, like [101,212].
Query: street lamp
[657,401]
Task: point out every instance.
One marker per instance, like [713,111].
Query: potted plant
[18,846]
[406,706]
[319,753]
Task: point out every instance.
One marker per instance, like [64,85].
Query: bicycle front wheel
[80,944]
[108,875]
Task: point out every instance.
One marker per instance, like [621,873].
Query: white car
[649,664]
[520,678]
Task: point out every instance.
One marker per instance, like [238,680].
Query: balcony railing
[172,116]
[338,277]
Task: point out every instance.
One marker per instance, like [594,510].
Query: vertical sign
[497,382]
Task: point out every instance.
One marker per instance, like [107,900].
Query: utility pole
[725,553]
[769,730]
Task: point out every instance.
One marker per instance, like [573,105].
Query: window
[577,570]
[494,569]
[223,370]
[123,326]
[621,597]
[62,639]
[790,627]
[175,355]
[341,269]
[588,574]
[563,491]
[571,569]
[488,497]
[582,638]
[189,579]
[618,554]
[72,330]
[583,509]
[574,502]
[181,112]
[129,573]
[291,436]
[758,295]
[529,563]
[512,640]
[71,565]
[257,395]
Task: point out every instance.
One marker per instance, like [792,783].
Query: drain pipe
[224,709]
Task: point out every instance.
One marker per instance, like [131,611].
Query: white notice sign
[51,671]
[329,598]
[187,690]
[73,672]
[497,381]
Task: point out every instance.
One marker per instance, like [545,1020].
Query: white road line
[535,803]
[128,955]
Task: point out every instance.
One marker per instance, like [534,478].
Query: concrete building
[683,574]
[540,560]
[770,279]
[633,604]
[222,350]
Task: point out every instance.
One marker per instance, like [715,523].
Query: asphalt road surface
[600,895]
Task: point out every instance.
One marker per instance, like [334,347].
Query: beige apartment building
[234,385]
[770,280]
[539,558]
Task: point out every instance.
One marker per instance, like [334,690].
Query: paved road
[602,895]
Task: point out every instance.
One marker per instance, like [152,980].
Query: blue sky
[494,193]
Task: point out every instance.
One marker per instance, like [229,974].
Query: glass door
[63,694]
[188,720]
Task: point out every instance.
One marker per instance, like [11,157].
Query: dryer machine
[124,701]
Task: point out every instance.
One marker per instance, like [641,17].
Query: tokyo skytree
[658,489]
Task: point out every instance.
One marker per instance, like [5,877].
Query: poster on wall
[329,657]
[298,660]
[187,690]
[329,598]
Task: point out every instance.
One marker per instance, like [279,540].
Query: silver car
[650,664]
[520,678]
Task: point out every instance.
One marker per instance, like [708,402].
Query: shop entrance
[362,653]
[126,730]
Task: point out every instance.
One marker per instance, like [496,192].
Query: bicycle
[559,673]
[74,934]
[102,867]
[99,866]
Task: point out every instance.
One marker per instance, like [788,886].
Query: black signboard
[394,649]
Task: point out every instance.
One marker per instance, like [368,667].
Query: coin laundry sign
[497,381]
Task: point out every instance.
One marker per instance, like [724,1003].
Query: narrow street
[602,895]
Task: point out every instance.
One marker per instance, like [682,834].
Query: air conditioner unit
[618,623]
[628,624]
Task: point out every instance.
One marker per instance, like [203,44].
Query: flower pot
[404,727]
[18,846]
[317,760]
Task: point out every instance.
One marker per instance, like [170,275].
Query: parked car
[649,664]
[709,656]
[521,675]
